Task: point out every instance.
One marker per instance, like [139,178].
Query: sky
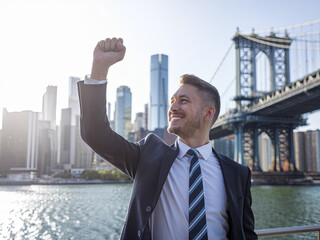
[44,42]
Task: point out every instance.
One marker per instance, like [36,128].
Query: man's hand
[106,53]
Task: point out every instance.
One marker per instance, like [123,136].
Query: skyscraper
[65,138]
[47,148]
[73,102]
[19,142]
[49,106]
[123,111]
[158,92]
[48,134]
[83,153]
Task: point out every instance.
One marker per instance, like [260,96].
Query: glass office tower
[123,111]
[158,92]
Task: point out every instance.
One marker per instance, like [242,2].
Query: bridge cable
[276,44]
[222,61]
[287,27]
[227,88]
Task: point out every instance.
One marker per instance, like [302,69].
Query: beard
[187,129]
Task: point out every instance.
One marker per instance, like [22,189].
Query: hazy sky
[44,42]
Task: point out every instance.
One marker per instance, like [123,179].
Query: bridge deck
[282,106]
[294,99]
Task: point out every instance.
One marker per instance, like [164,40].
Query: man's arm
[95,127]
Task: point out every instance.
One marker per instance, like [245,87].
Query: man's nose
[173,106]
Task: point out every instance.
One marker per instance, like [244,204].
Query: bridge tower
[248,127]
[247,48]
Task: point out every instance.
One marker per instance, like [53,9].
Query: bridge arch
[263,69]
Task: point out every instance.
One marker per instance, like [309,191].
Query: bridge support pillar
[292,160]
[277,151]
[256,157]
[238,151]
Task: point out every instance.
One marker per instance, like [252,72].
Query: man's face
[186,112]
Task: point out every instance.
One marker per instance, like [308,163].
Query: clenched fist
[106,53]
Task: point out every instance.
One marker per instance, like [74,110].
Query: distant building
[307,151]
[73,102]
[101,164]
[83,153]
[47,153]
[74,105]
[137,125]
[299,151]
[19,143]
[123,111]
[145,117]
[265,152]
[158,92]
[49,109]
[225,146]
[49,106]
[316,149]
[65,138]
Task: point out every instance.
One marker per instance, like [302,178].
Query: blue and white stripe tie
[197,212]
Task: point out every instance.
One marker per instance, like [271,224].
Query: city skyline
[56,48]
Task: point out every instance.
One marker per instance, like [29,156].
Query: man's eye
[184,100]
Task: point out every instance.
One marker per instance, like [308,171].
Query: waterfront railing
[288,230]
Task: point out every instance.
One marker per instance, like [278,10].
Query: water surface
[98,211]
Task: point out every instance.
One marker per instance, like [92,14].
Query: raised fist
[106,53]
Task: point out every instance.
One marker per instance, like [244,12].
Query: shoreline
[60,182]
[94,182]
[257,179]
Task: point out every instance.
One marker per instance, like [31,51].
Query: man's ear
[210,111]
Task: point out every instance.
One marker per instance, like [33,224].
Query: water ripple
[98,211]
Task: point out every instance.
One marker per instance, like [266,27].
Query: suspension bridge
[268,80]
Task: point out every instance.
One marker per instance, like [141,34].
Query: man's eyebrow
[183,96]
[180,96]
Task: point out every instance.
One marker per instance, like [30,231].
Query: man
[184,191]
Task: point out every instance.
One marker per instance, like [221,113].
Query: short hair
[211,95]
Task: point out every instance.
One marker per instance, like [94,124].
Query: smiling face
[186,114]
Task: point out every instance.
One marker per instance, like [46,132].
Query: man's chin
[173,130]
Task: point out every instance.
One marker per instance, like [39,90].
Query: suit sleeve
[96,132]
[248,217]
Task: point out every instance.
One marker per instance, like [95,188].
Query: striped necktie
[197,213]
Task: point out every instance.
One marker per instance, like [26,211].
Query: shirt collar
[204,151]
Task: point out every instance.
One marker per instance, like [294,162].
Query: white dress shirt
[170,218]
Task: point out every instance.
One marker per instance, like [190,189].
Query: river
[97,212]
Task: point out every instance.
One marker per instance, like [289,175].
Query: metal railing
[288,230]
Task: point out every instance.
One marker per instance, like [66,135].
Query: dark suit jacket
[148,163]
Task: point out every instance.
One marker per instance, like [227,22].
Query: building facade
[158,104]
[123,111]
[65,138]
[19,143]
[83,153]
[47,153]
[49,133]
[73,101]
[49,106]
[307,151]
